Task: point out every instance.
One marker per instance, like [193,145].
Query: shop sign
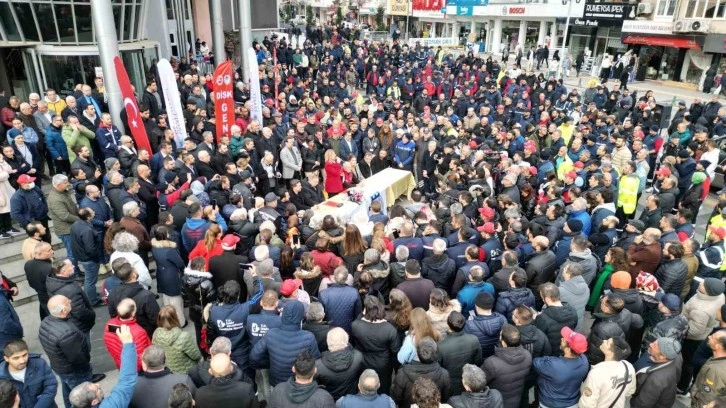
[427,5]
[584,22]
[647,27]
[398,7]
[715,43]
[467,3]
[662,41]
[433,42]
[611,11]
[514,10]
[464,11]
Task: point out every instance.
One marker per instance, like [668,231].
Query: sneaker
[98,377]
[5,235]
[14,231]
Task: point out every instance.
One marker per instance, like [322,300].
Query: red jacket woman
[210,246]
[333,173]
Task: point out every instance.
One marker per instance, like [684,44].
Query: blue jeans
[71,381]
[66,239]
[89,283]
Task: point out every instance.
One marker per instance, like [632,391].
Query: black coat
[65,345]
[671,275]
[147,193]
[169,267]
[37,272]
[82,314]
[655,385]
[146,307]
[403,384]
[552,320]
[84,243]
[607,326]
[225,267]
[488,398]
[338,371]
[379,343]
[455,350]
[312,195]
[441,270]
[226,392]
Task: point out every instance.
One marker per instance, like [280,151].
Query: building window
[715,9]
[8,23]
[27,22]
[666,8]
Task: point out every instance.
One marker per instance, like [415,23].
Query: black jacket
[290,394]
[506,371]
[552,320]
[488,398]
[311,195]
[655,385]
[37,272]
[541,268]
[403,384]
[225,267]
[84,242]
[146,307]
[609,325]
[379,343]
[82,314]
[65,346]
[226,392]
[534,340]
[338,371]
[441,270]
[671,275]
[455,350]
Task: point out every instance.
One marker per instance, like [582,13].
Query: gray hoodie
[575,293]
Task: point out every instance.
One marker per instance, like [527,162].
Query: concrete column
[215,7]
[496,37]
[245,36]
[473,31]
[522,33]
[553,36]
[105,29]
[542,32]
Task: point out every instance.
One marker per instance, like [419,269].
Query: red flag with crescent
[136,124]
[223,99]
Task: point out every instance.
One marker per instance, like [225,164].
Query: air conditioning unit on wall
[691,26]
[644,9]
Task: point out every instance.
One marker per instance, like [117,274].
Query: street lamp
[564,35]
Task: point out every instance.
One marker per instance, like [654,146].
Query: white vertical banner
[175,115]
[255,94]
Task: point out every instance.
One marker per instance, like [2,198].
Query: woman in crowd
[169,270]
[210,246]
[179,346]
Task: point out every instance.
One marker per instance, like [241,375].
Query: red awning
[662,41]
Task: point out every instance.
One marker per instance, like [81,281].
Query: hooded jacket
[182,352]
[226,392]
[39,387]
[381,278]
[655,384]
[409,373]
[601,212]
[508,300]
[587,260]
[506,372]
[147,309]
[700,310]
[441,270]
[575,293]
[552,320]
[338,371]
[608,325]
[279,349]
[290,394]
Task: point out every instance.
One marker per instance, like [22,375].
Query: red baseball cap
[718,231]
[25,179]
[579,164]
[488,227]
[289,286]
[571,174]
[663,171]
[532,170]
[230,240]
[487,213]
[576,341]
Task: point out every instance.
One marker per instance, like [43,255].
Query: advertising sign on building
[612,11]
[648,27]
[398,7]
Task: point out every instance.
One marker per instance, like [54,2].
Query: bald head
[126,309]
[651,235]
[541,242]
[220,365]
[59,306]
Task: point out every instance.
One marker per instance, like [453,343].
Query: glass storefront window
[64,19]
[84,23]
[46,22]
[88,65]
[11,29]
[27,23]
[117,12]
[62,73]
[128,22]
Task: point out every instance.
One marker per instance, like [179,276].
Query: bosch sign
[514,11]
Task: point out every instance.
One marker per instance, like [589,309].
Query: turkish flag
[223,99]
[138,131]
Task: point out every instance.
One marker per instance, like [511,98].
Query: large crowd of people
[521,272]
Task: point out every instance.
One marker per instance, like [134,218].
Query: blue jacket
[414,245]
[40,386]
[468,293]
[342,305]
[194,229]
[259,324]
[109,139]
[120,396]
[102,212]
[346,151]
[365,401]
[560,379]
[583,216]
[279,349]
[486,328]
[230,321]
[28,205]
[55,144]
[562,248]
[510,299]
[404,153]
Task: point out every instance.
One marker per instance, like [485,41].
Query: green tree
[380,19]
[309,17]
[287,13]
[338,15]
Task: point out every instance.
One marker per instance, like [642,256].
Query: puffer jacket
[65,346]
[508,300]
[486,328]
[575,293]
[147,309]
[633,301]
[82,314]
[457,349]
[552,320]
[674,326]
[700,310]
[338,371]
[587,261]
[608,325]
[506,372]
[182,352]
[403,383]
[541,268]
[441,270]
[487,398]
[671,275]
[280,347]
[381,281]
[439,316]
[114,345]
[198,289]
[534,340]
[342,305]
[39,387]
[655,384]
